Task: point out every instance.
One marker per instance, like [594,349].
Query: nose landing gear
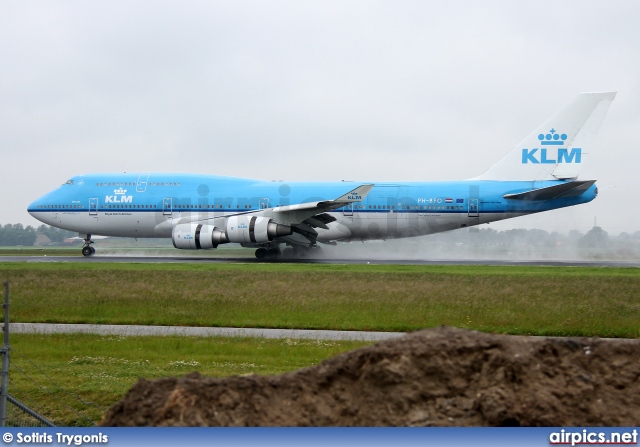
[87,249]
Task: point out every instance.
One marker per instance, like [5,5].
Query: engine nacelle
[248,229]
[195,236]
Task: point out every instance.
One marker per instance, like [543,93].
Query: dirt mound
[435,377]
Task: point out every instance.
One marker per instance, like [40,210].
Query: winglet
[356,195]
[295,214]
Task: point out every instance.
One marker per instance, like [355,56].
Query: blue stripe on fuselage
[208,193]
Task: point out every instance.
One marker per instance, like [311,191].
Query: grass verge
[517,300]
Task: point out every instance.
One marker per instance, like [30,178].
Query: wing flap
[320,221]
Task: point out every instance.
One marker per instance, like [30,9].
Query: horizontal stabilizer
[568,189]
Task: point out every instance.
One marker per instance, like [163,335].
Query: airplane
[200,211]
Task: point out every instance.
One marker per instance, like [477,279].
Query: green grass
[73,379]
[39,251]
[516,300]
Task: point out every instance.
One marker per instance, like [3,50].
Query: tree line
[594,243]
[12,235]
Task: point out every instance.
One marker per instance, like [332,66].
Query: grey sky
[313,90]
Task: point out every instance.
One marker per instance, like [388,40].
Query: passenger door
[93,206]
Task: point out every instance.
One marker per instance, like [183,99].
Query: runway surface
[191,331]
[132,330]
[251,260]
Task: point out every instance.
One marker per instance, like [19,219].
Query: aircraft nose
[36,210]
[32,208]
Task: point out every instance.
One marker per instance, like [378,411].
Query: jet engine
[194,236]
[240,229]
[247,229]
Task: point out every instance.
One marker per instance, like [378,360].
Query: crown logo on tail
[553,138]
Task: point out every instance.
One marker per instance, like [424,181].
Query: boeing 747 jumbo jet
[205,211]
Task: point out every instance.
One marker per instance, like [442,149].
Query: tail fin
[556,150]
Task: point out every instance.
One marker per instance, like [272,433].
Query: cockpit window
[69,182]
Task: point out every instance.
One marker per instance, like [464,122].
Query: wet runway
[252,260]
[193,331]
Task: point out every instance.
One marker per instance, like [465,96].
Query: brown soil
[435,377]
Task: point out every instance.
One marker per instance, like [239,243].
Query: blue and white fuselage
[204,211]
[116,204]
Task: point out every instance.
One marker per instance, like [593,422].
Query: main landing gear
[268,253]
[294,252]
[87,249]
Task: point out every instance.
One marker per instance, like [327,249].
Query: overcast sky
[312,90]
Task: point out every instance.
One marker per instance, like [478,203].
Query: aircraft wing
[299,213]
[303,218]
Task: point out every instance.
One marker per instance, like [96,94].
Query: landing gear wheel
[87,249]
[261,253]
[268,253]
